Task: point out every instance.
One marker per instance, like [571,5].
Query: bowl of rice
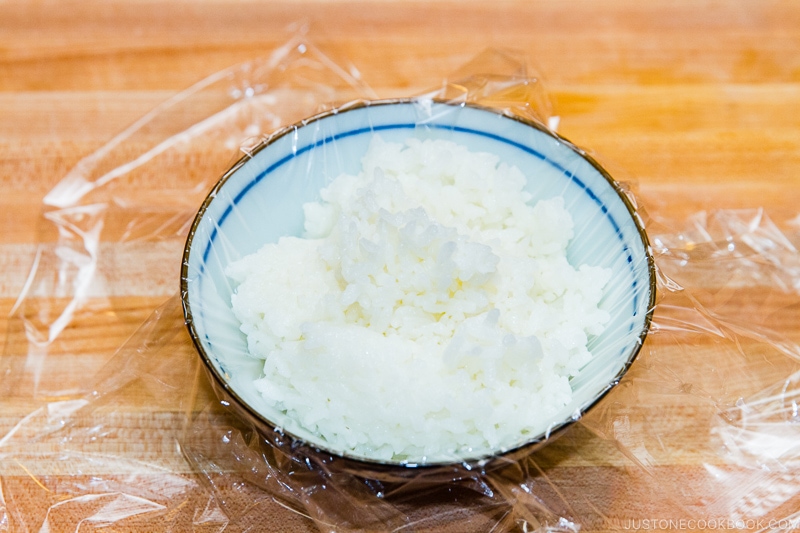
[402,285]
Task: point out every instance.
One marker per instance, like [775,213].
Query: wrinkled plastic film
[145,443]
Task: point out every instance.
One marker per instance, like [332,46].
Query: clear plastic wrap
[121,428]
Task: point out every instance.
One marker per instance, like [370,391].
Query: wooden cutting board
[695,104]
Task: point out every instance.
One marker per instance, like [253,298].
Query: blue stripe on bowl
[412,125]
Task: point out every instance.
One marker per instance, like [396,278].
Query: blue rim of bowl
[352,460]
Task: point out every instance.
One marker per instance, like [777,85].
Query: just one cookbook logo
[693,524]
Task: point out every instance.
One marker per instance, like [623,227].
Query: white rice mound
[428,314]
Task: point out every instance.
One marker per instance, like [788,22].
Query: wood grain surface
[696,104]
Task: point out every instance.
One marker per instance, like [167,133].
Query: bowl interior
[262,200]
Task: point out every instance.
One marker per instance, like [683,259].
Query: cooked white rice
[429,313]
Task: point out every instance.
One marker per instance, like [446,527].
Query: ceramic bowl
[260,199]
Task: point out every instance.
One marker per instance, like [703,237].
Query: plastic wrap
[122,429]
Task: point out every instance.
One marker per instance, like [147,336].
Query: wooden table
[696,104]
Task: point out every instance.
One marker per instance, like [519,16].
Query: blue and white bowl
[260,199]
